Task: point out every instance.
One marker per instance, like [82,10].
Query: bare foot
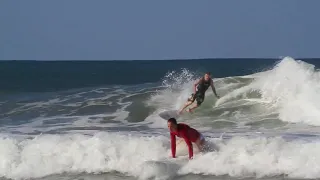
[189,110]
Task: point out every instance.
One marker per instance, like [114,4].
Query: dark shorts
[199,97]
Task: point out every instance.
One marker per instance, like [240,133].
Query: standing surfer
[200,87]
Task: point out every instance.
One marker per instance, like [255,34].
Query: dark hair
[208,73]
[173,120]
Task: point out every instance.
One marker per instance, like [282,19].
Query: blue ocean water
[40,76]
[99,119]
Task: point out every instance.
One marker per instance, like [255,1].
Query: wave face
[265,125]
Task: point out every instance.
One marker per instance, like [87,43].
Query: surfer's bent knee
[200,100]
[189,102]
[201,139]
[192,98]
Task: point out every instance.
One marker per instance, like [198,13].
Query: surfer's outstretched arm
[173,145]
[214,89]
[189,143]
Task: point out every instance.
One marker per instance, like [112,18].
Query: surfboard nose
[169,114]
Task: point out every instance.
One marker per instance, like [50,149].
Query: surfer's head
[172,124]
[207,76]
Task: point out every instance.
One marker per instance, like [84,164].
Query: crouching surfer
[189,134]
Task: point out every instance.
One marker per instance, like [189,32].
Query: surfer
[200,87]
[187,133]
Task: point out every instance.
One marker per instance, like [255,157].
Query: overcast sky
[166,29]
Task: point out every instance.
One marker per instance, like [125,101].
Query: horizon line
[174,59]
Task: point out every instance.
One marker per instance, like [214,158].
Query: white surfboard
[169,114]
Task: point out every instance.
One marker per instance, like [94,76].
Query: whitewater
[265,125]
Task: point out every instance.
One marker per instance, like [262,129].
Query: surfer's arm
[173,145]
[189,143]
[214,89]
[196,84]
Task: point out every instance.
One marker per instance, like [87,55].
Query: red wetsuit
[188,134]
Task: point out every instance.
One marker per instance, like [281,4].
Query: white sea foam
[149,156]
[293,87]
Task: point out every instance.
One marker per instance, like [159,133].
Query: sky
[155,30]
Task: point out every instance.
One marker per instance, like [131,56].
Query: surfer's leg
[188,103]
[200,143]
[192,108]
[185,106]
[200,99]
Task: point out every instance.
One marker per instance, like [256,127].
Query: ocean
[94,120]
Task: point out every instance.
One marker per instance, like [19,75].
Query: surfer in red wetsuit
[184,131]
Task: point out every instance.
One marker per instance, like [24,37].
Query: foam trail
[177,90]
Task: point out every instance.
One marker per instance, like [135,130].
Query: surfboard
[169,114]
